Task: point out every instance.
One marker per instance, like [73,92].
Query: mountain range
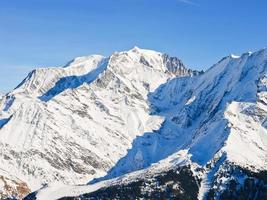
[137,125]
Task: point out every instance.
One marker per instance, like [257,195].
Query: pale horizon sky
[199,32]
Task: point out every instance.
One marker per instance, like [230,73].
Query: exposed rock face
[176,66]
[12,187]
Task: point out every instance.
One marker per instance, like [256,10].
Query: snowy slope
[219,118]
[206,114]
[72,124]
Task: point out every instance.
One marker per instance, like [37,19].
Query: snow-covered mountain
[210,130]
[72,124]
[138,121]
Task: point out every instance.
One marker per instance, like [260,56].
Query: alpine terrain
[137,125]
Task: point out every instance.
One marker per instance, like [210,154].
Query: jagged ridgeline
[138,124]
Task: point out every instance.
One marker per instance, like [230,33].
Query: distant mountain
[211,141]
[72,124]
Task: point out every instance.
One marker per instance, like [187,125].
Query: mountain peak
[135,48]
[82,60]
[142,51]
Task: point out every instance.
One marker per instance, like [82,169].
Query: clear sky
[51,32]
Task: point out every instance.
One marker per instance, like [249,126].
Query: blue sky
[51,32]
